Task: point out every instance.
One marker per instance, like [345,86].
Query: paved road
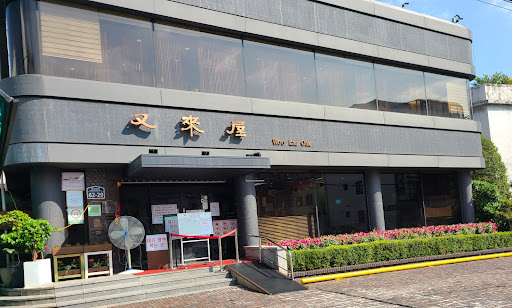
[486,283]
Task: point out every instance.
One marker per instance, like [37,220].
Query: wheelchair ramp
[262,278]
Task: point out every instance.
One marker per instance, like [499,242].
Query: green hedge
[337,256]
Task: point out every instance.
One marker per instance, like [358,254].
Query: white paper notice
[74,198]
[156,242]
[159,210]
[215,208]
[73,181]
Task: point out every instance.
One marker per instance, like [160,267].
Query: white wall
[500,127]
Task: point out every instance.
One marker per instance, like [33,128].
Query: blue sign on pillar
[95,193]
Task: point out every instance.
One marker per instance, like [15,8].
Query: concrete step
[27,300]
[141,294]
[26,291]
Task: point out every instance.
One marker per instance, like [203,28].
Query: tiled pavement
[486,283]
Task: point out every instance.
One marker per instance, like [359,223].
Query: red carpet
[192,266]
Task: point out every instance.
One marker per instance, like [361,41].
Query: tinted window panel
[280,73]
[400,90]
[345,83]
[200,62]
[441,197]
[447,96]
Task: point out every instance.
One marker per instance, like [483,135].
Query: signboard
[94,210]
[74,213]
[171,225]
[195,223]
[74,198]
[95,193]
[159,210]
[73,181]
[97,223]
[221,227]
[215,208]
[156,242]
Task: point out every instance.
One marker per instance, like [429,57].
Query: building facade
[492,107]
[297,118]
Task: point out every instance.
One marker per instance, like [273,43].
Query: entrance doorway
[136,199]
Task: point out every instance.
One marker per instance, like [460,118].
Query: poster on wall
[215,208]
[171,225]
[94,210]
[221,227]
[74,198]
[96,223]
[75,215]
[159,210]
[73,181]
[156,242]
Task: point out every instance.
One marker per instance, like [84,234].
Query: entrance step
[119,289]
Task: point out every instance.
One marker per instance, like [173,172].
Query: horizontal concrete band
[86,154]
[56,87]
[259,28]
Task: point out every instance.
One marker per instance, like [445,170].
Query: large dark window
[345,83]
[346,204]
[400,90]
[280,73]
[197,61]
[447,96]
[440,192]
[403,203]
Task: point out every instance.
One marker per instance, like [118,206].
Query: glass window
[345,83]
[127,45]
[280,73]
[346,204]
[447,96]
[401,196]
[400,90]
[197,61]
[440,192]
[79,42]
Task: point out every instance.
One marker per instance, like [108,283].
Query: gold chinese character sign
[140,119]
[190,123]
[237,127]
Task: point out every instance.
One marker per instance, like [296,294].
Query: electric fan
[126,233]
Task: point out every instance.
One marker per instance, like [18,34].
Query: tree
[495,171]
[496,78]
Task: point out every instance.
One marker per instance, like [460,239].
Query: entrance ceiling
[155,167]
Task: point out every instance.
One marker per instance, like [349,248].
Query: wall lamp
[403,5]
[456,19]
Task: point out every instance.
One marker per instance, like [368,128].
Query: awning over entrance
[155,167]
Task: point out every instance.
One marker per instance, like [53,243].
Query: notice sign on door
[159,210]
[156,242]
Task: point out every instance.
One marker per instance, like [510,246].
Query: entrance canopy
[155,167]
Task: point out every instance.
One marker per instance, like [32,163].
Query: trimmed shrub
[386,250]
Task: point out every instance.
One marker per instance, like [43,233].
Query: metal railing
[289,261]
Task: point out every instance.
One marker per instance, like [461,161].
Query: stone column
[375,205]
[466,196]
[247,211]
[47,201]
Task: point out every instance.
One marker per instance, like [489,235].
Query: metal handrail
[280,246]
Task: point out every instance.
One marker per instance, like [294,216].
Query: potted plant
[98,264]
[29,236]
[12,273]
[68,268]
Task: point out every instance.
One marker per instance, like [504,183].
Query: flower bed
[387,250]
[396,234]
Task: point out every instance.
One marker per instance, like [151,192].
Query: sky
[491,27]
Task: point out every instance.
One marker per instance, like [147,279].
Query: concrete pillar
[247,211]
[47,201]
[466,196]
[375,205]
